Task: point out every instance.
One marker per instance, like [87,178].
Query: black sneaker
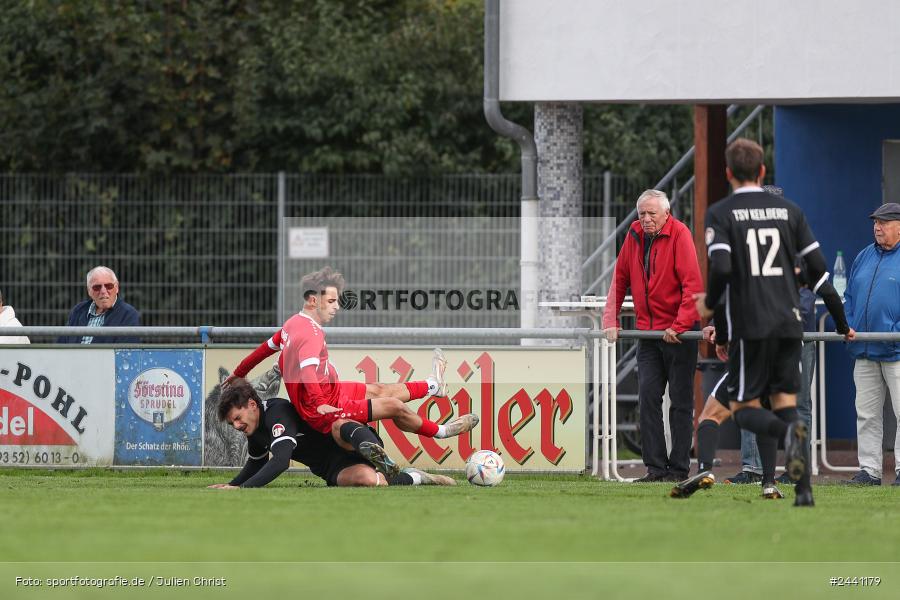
[652,478]
[795,449]
[897,481]
[376,455]
[745,477]
[863,478]
[783,478]
[701,481]
[804,498]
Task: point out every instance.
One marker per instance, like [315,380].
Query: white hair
[647,194]
[100,269]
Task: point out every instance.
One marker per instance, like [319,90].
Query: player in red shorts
[433,385]
[320,397]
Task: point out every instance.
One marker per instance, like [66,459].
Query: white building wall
[697,51]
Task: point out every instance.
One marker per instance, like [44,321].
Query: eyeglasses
[99,286]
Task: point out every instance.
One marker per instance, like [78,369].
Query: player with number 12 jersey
[763,234]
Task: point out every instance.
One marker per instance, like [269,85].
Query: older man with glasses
[104,308]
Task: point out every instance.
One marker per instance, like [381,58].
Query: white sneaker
[438,366]
[461,424]
[771,492]
[430,478]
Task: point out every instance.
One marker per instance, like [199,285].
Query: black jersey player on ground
[752,240]
[273,426]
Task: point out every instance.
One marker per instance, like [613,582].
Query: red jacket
[667,299]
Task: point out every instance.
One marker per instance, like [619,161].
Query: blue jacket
[121,314]
[872,301]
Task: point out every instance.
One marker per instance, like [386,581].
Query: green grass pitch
[553,537]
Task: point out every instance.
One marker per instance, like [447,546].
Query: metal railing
[208,334]
[604,447]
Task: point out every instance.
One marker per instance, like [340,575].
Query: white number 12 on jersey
[768,236]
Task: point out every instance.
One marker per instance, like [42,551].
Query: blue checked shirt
[94,320]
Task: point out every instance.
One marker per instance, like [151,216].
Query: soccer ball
[485,468]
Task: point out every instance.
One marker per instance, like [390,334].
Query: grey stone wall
[558,133]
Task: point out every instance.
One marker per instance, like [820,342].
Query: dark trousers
[659,363]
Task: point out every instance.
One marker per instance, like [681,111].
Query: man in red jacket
[658,263]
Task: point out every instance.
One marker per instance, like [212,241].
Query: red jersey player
[330,405]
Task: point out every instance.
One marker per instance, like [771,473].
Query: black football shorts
[757,368]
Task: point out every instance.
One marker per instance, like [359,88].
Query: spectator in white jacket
[8,319]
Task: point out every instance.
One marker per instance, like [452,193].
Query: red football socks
[428,428]
[417,389]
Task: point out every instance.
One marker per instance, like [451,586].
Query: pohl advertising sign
[56,407]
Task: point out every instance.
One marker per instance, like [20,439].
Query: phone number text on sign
[15,455]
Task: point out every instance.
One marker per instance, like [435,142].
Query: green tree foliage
[314,86]
[119,86]
[639,141]
[372,86]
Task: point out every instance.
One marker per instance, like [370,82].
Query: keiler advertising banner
[56,407]
[158,413]
[531,403]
